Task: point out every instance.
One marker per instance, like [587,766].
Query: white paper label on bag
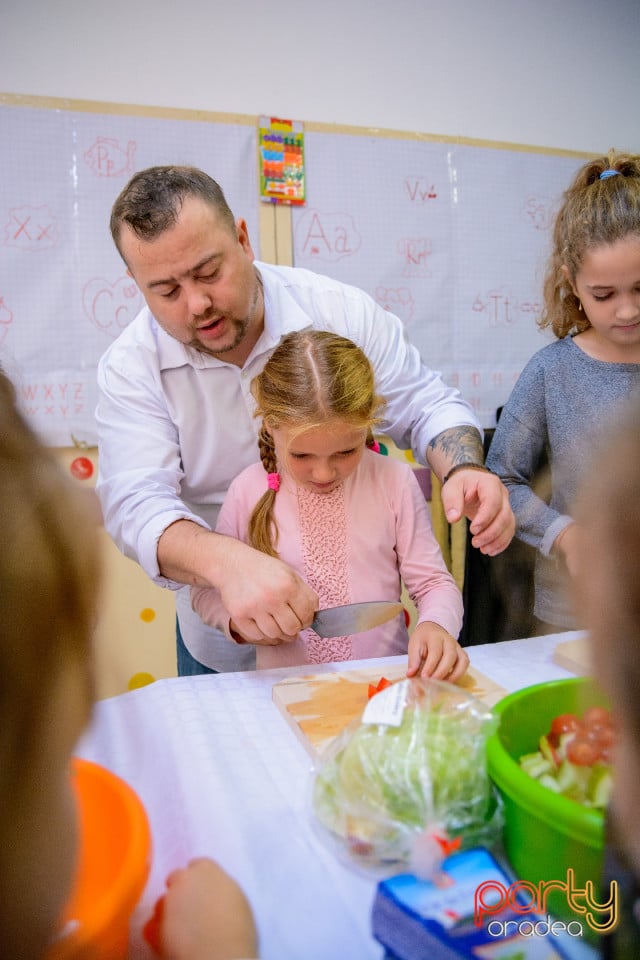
[387,707]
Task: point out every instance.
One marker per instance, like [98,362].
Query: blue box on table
[416,919]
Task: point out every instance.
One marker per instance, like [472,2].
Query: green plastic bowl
[545,833]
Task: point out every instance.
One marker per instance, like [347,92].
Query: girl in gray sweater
[572,388]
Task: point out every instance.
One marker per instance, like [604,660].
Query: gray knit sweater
[561,400]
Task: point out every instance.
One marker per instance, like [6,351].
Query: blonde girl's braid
[263,532]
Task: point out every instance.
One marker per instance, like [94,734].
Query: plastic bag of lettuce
[413,767]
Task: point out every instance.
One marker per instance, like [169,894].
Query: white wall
[557,73]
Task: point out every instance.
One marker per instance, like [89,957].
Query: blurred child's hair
[594,213]
[312,377]
[612,525]
[49,581]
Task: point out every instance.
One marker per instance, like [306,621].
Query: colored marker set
[281,150]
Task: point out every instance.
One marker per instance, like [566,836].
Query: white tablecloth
[221,774]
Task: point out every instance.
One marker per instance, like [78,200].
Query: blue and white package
[467,914]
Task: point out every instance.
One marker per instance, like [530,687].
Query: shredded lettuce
[382,785]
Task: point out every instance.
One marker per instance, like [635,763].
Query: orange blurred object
[114,863]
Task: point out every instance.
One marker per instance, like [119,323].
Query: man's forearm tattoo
[459,445]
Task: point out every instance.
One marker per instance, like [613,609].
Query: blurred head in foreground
[49,573]
[608,594]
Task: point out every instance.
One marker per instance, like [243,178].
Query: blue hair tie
[608,173]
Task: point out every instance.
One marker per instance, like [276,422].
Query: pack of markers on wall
[281,157]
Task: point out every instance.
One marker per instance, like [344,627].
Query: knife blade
[354,617]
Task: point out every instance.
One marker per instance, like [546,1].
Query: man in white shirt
[175,410]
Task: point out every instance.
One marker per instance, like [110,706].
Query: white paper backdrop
[64,292]
[452,238]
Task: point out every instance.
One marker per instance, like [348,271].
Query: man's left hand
[483,499]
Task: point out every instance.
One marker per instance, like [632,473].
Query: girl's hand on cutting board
[435,653]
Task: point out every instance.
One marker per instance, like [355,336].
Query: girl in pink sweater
[353,523]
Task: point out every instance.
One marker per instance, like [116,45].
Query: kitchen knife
[354,617]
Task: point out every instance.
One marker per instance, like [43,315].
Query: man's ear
[242,233]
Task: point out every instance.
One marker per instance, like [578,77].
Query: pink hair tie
[273,481]
[375,446]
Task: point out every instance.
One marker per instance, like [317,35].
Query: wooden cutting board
[318,707]
[574,655]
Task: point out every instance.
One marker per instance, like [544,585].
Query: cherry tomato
[603,735]
[596,718]
[151,929]
[382,684]
[81,468]
[564,723]
[582,752]
[606,736]
[603,739]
